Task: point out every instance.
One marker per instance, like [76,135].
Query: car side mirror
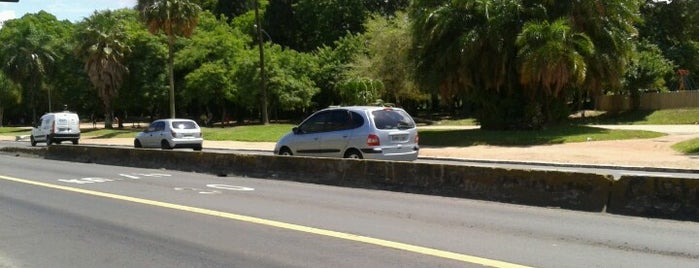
[296,130]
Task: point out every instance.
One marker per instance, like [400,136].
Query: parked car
[169,134]
[363,132]
[56,128]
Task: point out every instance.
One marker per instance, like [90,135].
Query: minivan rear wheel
[353,154]
[32,141]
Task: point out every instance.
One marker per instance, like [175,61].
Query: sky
[72,10]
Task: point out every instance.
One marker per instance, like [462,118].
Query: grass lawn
[252,133]
[660,117]
[687,147]
[14,131]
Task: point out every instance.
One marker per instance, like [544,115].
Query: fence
[650,101]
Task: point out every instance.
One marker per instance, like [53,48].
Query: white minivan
[56,128]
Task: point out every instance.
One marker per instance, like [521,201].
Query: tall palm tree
[103,47]
[174,18]
[552,56]
[28,61]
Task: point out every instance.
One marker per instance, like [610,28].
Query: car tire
[137,144]
[75,142]
[165,145]
[32,141]
[197,148]
[353,154]
[49,140]
[285,151]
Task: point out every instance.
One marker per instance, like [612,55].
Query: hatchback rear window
[184,125]
[392,119]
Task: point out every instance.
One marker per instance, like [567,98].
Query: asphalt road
[62,214]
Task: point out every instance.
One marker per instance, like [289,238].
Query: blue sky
[72,10]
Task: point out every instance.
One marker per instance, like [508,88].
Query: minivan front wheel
[353,154]
[285,151]
[32,140]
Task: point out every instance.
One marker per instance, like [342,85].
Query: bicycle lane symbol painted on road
[210,191]
[121,177]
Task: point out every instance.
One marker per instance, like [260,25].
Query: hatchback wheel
[165,145]
[197,147]
[137,143]
[354,154]
[75,142]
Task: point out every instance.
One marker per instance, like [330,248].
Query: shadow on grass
[618,118]
[471,137]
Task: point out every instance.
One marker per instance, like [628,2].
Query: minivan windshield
[392,119]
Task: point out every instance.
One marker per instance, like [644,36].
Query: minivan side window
[316,123]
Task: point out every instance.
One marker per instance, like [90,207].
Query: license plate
[399,138]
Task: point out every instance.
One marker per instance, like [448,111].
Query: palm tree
[174,18]
[103,47]
[28,60]
[552,56]
[10,94]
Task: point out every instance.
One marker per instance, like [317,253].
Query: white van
[55,128]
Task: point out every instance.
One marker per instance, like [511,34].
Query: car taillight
[417,138]
[174,134]
[373,140]
[53,127]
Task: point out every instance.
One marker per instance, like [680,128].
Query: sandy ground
[631,153]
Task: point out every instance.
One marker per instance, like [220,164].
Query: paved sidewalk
[654,152]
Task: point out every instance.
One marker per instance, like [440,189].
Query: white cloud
[7,15]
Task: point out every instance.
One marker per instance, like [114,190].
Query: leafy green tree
[10,94]
[174,18]
[674,27]
[290,86]
[210,61]
[333,61]
[305,25]
[360,91]
[103,48]
[386,61]
[145,89]
[646,73]
[28,53]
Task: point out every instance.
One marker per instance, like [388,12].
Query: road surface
[62,214]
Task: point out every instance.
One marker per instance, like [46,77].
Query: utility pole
[263,75]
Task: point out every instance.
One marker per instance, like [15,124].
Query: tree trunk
[171,73]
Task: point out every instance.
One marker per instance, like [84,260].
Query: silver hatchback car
[363,132]
[171,133]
